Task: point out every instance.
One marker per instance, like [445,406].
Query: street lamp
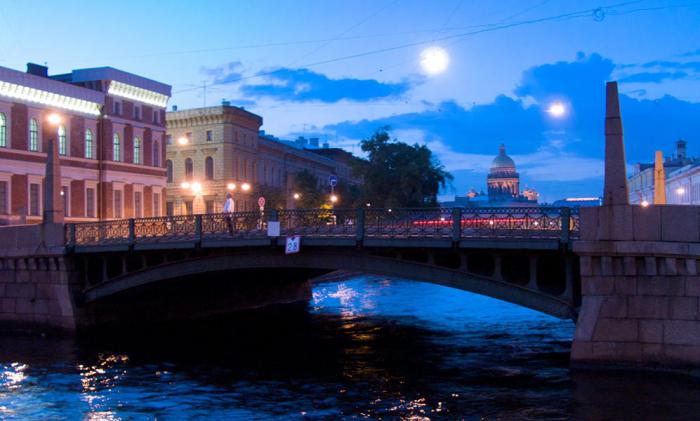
[645,203]
[245,186]
[183,140]
[334,198]
[185,185]
[231,186]
[54,119]
[296,196]
[196,188]
[680,190]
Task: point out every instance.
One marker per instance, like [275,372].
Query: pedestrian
[228,210]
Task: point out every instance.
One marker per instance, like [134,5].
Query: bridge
[520,255]
[627,274]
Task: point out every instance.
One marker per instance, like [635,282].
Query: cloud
[691,53]
[303,85]
[230,73]
[649,77]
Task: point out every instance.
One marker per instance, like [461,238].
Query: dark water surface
[363,348]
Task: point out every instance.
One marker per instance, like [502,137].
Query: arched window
[116,148]
[137,150]
[189,169]
[62,140]
[156,153]
[33,135]
[3,131]
[169,170]
[88,144]
[209,168]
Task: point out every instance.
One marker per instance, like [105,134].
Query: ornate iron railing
[369,223]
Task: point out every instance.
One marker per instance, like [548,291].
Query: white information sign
[273,228]
[293,244]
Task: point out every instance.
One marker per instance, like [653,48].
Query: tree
[399,174]
[306,185]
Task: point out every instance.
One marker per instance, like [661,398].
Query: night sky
[340,70]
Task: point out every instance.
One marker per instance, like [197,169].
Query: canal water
[364,347]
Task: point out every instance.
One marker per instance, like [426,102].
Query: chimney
[37,70]
[680,149]
[225,103]
[174,108]
[313,142]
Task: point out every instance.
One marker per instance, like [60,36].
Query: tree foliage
[399,174]
[306,185]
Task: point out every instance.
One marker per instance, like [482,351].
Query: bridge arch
[327,260]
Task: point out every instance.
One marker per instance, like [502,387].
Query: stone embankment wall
[640,284]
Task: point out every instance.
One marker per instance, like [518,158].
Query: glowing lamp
[54,119]
[296,196]
[644,203]
[231,186]
[680,190]
[334,198]
[196,187]
[185,185]
[245,186]
[183,140]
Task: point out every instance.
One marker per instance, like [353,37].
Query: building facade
[216,151]
[682,182]
[109,127]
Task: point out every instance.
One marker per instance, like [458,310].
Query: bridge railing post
[360,224]
[71,235]
[565,214]
[456,224]
[198,229]
[132,232]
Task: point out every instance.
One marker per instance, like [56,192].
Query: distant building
[503,186]
[110,140]
[682,179]
[214,151]
[577,202]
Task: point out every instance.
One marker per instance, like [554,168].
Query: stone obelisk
[53,202]
[615,190]
[659,180]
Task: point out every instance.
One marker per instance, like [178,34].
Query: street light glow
[231,186]
[183,140]
[196,187]
[245,186]
[644,203]
[434,60]
[680,190]
[296,196]
[185,185]
[54,119]
[334,198]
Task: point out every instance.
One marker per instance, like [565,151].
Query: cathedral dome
[502,163]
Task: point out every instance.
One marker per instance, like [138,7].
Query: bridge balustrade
[430,223]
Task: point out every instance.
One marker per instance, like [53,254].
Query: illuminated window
[116,148]
[62,140]
[189,169]
[169,170]
[209,168]
[3,197]
[3,131]
[34,200]
[137,150]
[88,144]
[33,135]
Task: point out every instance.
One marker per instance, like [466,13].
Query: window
[90,202]
[189,170]
[34,200]
[61,140]
[156,154]
[209,168]
[117,108]
[188,208]
[245,169]
[3,131]
[137,112]
[116,148]
[33,135]
[169,208]
[138,208]
[156,204]
[156,116]
[137,150]
[88,144]
[188,135]
[169,170]
[117,203]
[209,205]
[210,136]
[3,197]
[66,202]
[169,139]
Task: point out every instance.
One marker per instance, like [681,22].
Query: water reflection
[366,347]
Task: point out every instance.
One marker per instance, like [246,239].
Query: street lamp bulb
[245,186]
[231,186]
[183,140]
[680,190]
[196,187]
[334,198]
[185,185]
[644,203]
[368,204]
[54,119]
[296,196]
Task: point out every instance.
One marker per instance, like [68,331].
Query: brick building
[214,151]
[110,134]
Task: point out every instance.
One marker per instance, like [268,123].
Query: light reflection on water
[364,348]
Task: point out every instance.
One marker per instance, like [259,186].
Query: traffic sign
[293,244]
[332,180]
[261,201]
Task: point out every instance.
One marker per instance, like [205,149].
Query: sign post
[261,203]
[293,244]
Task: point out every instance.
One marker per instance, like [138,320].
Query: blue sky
[342,69]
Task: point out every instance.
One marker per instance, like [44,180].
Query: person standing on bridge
[228,210]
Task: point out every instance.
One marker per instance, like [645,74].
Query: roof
[110,73]
[502,161]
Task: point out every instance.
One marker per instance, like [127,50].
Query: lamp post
[53,203]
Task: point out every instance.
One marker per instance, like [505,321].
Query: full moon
[556,109]
[434,60]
